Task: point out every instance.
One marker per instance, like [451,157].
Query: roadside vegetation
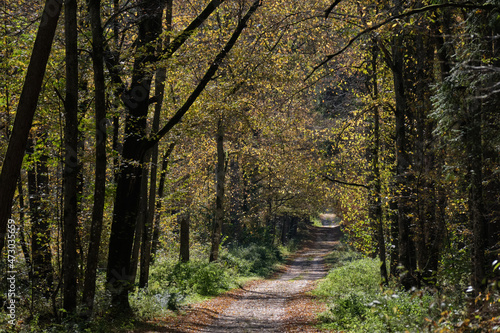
[173,286]
[358,301]
[175,283]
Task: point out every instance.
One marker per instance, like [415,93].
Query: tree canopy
[134,129]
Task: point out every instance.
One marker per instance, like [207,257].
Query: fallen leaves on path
[281,304]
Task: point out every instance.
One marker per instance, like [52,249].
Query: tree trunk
[473,144]
[428,235]
[161,187]
[392,216]
[235,198]
[69,265]
[142,217]
[26,110]
[149,213]
[22,235]
[406,243]
[375,210]
[184,236]
[129,177]
[100,156]
[219,200]
[285,226]
[294,225]
[147,233]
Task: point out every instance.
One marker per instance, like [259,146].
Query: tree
[26,110]
[71,159]
[375,199]
[465,112]
[136,143]
[100,155]
[160,77]
[220,185]
[41,253]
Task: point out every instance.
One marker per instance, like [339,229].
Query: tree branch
[329,10]
[344,183]
[189,30]
[206,78]
[465,5]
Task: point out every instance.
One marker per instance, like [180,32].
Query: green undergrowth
[173,284]
[357,302]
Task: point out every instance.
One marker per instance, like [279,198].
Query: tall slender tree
[160,77]
[94,7]
[38,190]
[26,110]
[71,166]
[220,177]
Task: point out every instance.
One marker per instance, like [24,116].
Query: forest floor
[279,304]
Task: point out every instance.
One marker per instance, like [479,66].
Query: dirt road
[274,305]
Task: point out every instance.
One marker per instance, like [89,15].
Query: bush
[358,276]
[211,279]
[204,278]
[171,282]
[349,310]
[148,305]
[252,260]
[357,303]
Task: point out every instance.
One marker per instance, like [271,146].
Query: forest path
[273,305]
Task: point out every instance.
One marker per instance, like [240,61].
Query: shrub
[252,260]
[358,276]
[211,279]
[357,303]
[148,305]
[192,277]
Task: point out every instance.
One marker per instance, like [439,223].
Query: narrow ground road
[274,305]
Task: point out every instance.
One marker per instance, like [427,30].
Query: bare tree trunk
[429,235]
[407,258]
[184,236]
[147,235]
[235,198]
[69,266]
[149,210]
[375,210]
[161,188]
[473,145]
[285,226]
[26,110]
[141,220]
[100,156]
[219,200]
[392,216]
[22,234]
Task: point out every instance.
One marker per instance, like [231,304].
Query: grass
[357,302]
